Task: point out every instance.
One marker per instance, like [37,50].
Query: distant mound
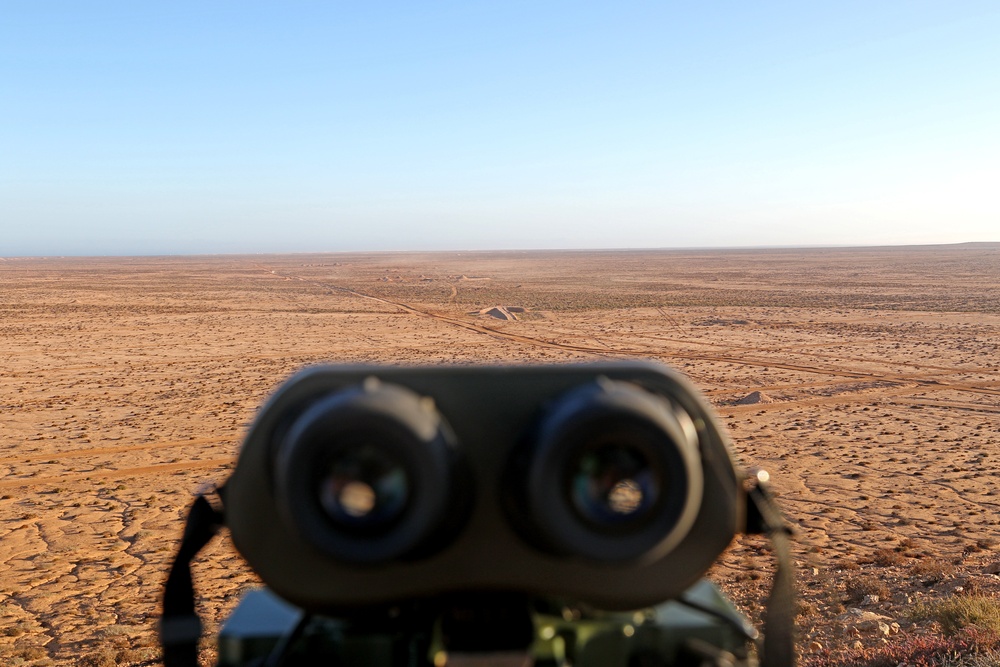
[755,398]
[502,312]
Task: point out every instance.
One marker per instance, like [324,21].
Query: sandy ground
[127,383]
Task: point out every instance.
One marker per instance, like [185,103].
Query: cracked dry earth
[126,384]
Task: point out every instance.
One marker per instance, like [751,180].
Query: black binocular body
[609,485]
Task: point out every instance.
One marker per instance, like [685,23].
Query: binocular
[609,485]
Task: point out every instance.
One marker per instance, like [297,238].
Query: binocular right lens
[613,474]
[614,484]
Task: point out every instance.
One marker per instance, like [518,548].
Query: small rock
[884,630]
[815,646]
[894,628]
[870,599]
[858,616]
[872,627]
[992,568]
[857,646]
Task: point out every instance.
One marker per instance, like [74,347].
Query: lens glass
[613,484]
[364,489]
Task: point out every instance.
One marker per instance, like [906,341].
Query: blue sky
[193,127]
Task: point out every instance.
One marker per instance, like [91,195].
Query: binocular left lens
[364,489]
[366,475]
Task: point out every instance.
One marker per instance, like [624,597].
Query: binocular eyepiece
[611,473]
[368,474]
[608,484]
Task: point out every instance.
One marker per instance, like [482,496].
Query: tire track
[789,386]
[175,362]
[884,395]
[946,370]
[97,451]
[948,405]
[119,473]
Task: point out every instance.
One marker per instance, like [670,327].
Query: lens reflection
[364,489]
[613,484]
[626,497]
[357,499]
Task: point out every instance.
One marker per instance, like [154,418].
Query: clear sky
[214,127]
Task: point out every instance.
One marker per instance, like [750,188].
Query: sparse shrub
[960,612]
[971,588]
[805,610]
[131,656]
[114,631]
[100,659]
[932,571]
[31,653]
[117,650]
[859,586]
[13,631]
[986,543]
[887,557]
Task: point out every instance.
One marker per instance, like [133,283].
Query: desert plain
[865,380]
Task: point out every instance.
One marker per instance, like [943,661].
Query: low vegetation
[961,612]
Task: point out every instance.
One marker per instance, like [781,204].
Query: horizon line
[844,246]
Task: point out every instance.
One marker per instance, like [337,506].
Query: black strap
[763,516]
[180,628]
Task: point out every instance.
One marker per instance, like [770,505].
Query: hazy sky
[139,127]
